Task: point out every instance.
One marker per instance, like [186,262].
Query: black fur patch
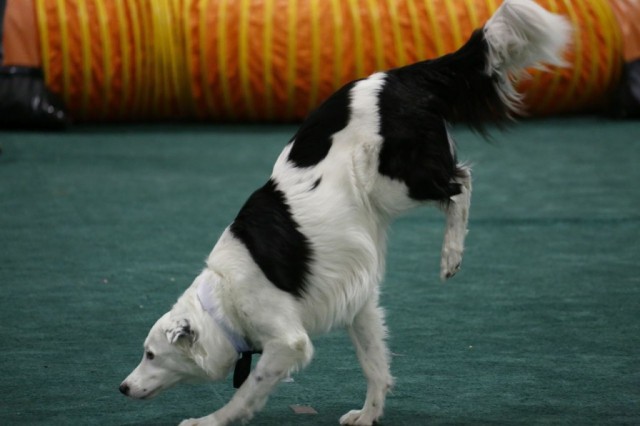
[414,103]
[316,183]
[312,142]
[267,228]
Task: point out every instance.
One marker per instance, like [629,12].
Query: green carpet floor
[102,228]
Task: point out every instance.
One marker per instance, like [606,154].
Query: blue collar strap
[210,305]
[239,343]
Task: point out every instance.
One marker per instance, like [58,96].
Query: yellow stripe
[491,4]
[455,25]
[85,42]
[606,19]
[173,58]
[106,50]
[187,43]
[137,49]
[222,57]
[161,46]
[188,59]
[415,29]
[473,14]
[315,54]
[44,39]
[401,57]
[125,52]
[374,12]
[435,28]
[243,62]
[204,60]
[551,91]
[150,75]
[537,76]
[268,54]
[337,43]
[64,39]
[572,90]
[357,37]
[292,12]
[587,91]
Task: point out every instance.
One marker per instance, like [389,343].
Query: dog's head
[178,349]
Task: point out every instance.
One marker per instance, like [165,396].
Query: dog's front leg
[367,334]
[277,359]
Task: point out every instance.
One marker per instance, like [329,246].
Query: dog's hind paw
[450,263]
[358,418]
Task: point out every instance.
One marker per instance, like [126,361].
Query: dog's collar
[239,343]
[210,305]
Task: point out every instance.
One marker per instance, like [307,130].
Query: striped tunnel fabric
[275,60]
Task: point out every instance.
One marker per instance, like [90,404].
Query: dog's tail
[479,77]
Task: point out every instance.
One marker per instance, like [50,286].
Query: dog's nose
[124,388]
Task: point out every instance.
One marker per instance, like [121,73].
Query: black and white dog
[306,253]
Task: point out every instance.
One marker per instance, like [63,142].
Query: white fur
[522,34]
[345,219]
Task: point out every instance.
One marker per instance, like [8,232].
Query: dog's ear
[181,331]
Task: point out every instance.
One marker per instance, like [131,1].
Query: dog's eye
[150,355]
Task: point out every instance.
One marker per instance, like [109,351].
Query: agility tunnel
[275,60]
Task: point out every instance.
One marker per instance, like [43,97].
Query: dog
[306,252]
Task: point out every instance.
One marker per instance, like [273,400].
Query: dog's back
[378,147]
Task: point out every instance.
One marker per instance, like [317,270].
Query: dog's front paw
[450,263]
[202,421]
[358,418]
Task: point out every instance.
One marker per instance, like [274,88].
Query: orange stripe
[337,44]
[315,54]
[357,36]
[64,48]
[473,14]
[223,57]
[609,22]
[103,20]
[268,54]
[415,29]
[204,58]
[401,57]
[85,43]
[378,51]
[539,77]
[243,53]
[571,93]
[435,28]
[137,55]
[455,25]
[292,13]
[189,70]
[125,47]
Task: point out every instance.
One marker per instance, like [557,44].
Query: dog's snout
[124,388]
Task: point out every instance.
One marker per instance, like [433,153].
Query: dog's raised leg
[457,213]
[368,334]
[278,358]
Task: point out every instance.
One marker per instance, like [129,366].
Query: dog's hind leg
[457,214]
[279,357]
[368,334]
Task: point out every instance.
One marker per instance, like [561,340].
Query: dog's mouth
[150,395]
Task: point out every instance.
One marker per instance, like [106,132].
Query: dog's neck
[210,305]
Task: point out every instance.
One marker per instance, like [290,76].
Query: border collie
[306,253]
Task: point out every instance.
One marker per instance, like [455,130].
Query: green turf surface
[102,228]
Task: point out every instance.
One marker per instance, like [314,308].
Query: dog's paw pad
[357,418]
